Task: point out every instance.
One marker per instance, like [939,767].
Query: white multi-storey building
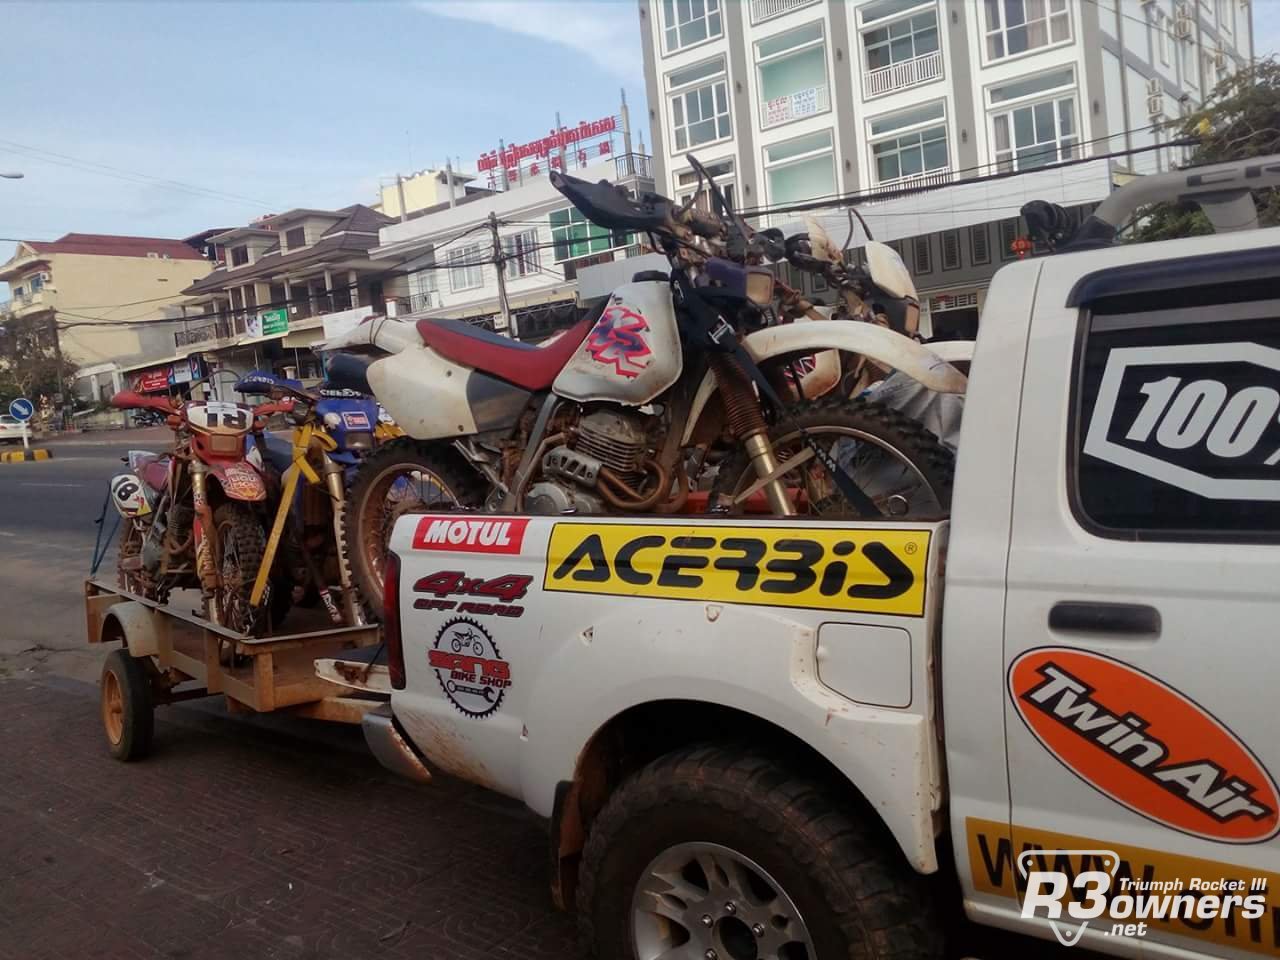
[796,100]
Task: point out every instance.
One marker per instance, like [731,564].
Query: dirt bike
[667,397]
[334,428]
[194,517]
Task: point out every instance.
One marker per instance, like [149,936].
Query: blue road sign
[21,408]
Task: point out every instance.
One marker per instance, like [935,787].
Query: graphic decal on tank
[618,340]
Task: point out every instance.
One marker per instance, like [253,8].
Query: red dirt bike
[197,517]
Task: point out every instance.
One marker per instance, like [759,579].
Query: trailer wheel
[128,714]
[717,852]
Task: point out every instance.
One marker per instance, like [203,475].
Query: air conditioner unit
[1155,106]
[1153,87]
[1219,59]
[1182,28]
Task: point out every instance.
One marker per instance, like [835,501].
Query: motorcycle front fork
[746,423]
[205,538]
[334,480]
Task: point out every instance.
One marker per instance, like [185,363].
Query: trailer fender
[134,625]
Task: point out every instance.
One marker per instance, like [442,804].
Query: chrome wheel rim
[704,901]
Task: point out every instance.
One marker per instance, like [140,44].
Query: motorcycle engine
[605,438]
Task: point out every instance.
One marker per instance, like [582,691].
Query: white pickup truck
[764,738]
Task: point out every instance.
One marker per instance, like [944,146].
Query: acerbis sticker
[470,669]
[872,571]
[618,340]
[468,535]
[1144,744]
[1201,417]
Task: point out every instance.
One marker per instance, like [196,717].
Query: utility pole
[500,263]
[62,376]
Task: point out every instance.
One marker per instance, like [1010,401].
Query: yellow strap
[277,530]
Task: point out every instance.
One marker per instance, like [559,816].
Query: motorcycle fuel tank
[633,352]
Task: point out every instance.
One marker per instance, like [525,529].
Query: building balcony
[27,304]
[891,188]
[212,333]
[632,165]
[762,10]
[803,103]
[900,76]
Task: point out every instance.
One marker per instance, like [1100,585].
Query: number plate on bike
[217,416]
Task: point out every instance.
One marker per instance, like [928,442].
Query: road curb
[20,456]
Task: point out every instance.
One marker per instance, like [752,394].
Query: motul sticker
[832,568]
[469,535]
[1144,744]
[618,340]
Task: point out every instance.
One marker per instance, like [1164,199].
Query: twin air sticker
[1145,745]
[870,571]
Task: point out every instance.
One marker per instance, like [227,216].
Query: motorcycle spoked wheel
[899,464]
[241,544]
[404,476]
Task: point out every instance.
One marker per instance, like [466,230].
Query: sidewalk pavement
[140,437]
[265,838]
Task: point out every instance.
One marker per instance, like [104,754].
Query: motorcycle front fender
[880,344]
[238,480]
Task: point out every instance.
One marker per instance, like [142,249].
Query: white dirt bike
[682,392]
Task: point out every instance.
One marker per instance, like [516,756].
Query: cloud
[606,31]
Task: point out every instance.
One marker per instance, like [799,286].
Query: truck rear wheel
[713,852]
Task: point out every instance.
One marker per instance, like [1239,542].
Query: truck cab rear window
[1177,425]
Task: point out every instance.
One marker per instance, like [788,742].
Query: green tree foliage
[1240,119]
[28,361]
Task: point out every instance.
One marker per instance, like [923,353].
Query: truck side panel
[523,637]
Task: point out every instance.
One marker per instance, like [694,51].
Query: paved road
[47,530]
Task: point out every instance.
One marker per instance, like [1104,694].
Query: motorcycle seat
[526,365]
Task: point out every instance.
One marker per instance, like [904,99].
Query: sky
[279,105]
[259,107]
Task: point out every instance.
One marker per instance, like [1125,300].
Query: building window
[922,254]
[793,75]
[295,239]
[1224,15]
[521,251]
[575,236]
[687,183]
[951,250]
[239,256]
[902,40]
[1008,234]
[686,22]
[1164,36]
[801,169]
[35,282]
[1189,72]
[909,144]
[1041,128]
[465,268]
[1016,26]
[699,104]
[979,244]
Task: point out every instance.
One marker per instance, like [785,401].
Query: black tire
[241,546]
[367,520]
[128,712]
[882,428]
[857,897]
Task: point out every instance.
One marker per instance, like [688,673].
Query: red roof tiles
[108,245]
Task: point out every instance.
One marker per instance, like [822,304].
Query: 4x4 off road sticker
[1145,745]
[872,571]
[470,669]
[1201,417]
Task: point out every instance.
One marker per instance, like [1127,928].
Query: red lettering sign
[470,535]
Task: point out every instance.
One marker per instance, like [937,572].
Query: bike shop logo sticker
[470,669]
[823,568]
[1145,745]
[618,339]
[469,536]
[1201,417]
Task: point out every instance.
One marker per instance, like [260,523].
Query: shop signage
[566,137]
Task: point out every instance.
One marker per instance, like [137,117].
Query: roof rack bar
[1221,189]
